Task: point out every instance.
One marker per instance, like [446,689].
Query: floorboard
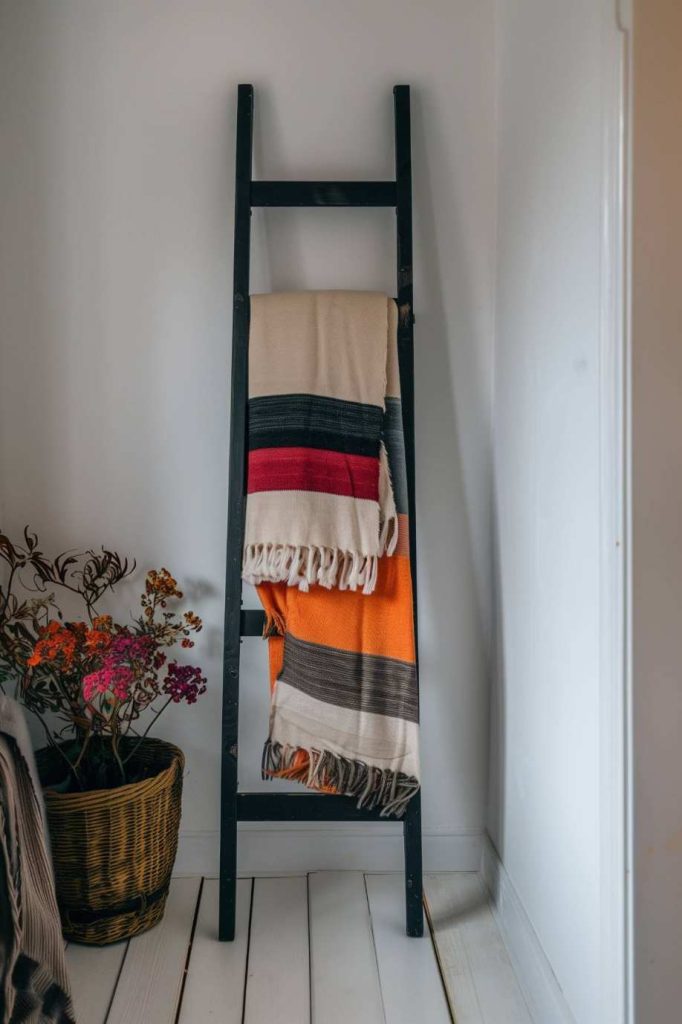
[214,987]
[357,966]
[478,974]
[150,981]
[278,979]
[344,978]
[93,972]
[411,987]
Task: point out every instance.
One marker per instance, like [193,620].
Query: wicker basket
[113,849]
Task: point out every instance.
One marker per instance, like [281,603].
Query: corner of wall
[538,982]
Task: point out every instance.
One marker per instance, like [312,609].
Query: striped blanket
[326,544]
[34,985]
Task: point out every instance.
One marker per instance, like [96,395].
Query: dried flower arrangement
[89,681]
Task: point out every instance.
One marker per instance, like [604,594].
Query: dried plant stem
[56,746]
[8,591]
[152,723]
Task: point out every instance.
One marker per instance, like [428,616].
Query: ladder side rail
[236,511]
[403,172]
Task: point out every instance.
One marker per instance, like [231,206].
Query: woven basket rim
[119,794]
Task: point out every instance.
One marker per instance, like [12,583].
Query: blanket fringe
[305,565]
[321,769]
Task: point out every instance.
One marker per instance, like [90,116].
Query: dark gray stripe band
[394,441]
[361,682]
[314,421]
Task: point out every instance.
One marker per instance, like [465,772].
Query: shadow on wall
[34,367]
[454,599]
[497,795]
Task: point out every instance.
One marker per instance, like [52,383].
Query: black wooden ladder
[304,806]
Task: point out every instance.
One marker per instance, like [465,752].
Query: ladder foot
[415,924]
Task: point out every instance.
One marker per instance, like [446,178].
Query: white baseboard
[540,987]
[285,849]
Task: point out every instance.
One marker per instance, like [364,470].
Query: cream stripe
[331,343]
[298,720]
[313,519]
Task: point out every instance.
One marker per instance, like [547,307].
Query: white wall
[116,193]
[656,503]
[549,420]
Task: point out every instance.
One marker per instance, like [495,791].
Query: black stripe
[395,450]
[311,421]
[362,682]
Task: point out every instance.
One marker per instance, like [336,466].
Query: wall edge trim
[539,984]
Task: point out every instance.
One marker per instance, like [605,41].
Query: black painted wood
[252,622]
[403,175]
[239,623]
[323,193]
[236,511]
[301,807]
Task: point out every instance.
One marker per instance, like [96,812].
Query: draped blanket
[326,544]
[34,986]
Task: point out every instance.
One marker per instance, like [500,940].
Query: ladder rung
[252,622]
[301,807]
[323,193]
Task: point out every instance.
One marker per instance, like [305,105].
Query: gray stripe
[362,682]
[395,449]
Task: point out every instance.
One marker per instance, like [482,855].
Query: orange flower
[97,640]
[58,643]
[193,621]
[161,582]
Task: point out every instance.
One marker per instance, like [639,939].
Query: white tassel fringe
[305,565]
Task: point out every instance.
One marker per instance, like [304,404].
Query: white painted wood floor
[329,948]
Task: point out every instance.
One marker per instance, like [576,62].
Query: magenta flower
[184,682]
[127,658]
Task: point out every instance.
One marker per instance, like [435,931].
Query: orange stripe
[379,623]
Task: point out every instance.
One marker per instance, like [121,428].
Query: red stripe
[313,469]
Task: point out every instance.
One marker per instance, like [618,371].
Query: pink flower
[127,657]
[89,685]
[184,682]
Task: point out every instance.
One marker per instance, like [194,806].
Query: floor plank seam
[248,950]
[310,947]
[439,963]
[116,981]
[185,972]
[374,947]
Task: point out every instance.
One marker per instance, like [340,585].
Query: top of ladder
[324,193]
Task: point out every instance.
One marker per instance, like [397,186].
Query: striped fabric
[35,988]
[326,544]
[320,506]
